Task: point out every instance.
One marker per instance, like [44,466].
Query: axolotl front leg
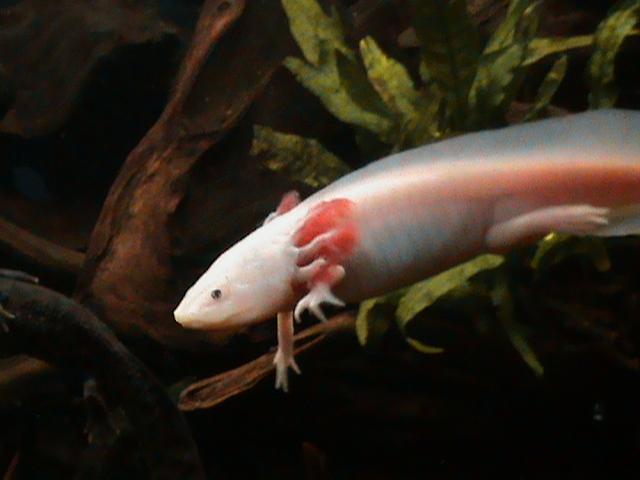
[325,238]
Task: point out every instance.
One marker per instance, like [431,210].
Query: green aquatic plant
[465,86]
[608,39]
[305,160]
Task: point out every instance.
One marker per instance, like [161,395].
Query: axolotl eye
[216,294]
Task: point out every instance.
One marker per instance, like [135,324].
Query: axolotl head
[248,283]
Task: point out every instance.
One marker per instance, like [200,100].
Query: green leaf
[394,85]
[375,317]
[423,294]
[313,30]
[540,48]
[548,88]
[390,79]
[501,71]
[305,160]
[518,19]
[556,247]
[450,48]
[324,81]
[330,68]
[494,87]
[355,83]
[608,38]
[503,301]
[421,347]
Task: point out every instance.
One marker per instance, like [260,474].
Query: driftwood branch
[21,242]
[209,392]
[49,326]
[129,276]
[128,265]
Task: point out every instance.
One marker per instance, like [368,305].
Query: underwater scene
[319,239]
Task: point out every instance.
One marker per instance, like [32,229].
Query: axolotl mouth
[196,319]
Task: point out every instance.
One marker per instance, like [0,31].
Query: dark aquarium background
[141,138]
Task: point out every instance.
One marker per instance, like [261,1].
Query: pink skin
[416,213]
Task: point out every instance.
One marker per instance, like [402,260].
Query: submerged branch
[49,326]
[15,239]
[211,391]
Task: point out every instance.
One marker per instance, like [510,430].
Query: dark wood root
[214,390]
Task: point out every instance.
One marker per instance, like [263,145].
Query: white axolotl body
[416,213]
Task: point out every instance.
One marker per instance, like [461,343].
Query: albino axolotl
[398,220]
